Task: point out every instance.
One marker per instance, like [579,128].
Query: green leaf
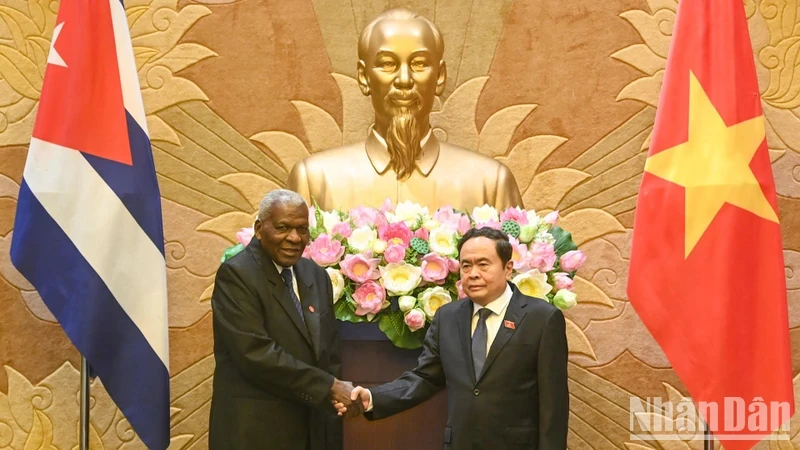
[393,326]
[411,256]
[231,251]
[564,241]
[346,311]
[420,222]
[320,228]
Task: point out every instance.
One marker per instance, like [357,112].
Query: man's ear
[441,81]
[509,269]
[361,76]
[257,228]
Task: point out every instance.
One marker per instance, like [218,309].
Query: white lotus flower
[400,278]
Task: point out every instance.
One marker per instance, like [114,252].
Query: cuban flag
[88,231]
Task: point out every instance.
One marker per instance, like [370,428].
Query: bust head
[401,68]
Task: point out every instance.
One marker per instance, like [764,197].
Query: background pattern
[237,91]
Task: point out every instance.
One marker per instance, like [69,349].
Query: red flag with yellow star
[706,273]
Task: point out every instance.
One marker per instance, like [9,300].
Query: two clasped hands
[349,401]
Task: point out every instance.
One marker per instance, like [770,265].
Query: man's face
[402,69]
[483,275]
[284,233]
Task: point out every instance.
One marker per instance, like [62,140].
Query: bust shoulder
[455,154]
[324,158]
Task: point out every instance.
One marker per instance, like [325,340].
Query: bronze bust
[401,69]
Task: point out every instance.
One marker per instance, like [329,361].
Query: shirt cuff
[369,407]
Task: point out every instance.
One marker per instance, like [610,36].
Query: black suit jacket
[273,373]
[519,401]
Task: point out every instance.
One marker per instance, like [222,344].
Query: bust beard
[403,137]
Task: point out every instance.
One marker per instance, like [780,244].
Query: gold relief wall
[237,91]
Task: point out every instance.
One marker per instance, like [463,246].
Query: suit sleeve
[335,344]
[553,389]
[415,386]
[508,194]
[264,363]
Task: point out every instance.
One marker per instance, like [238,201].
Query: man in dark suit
[275,341]
[502,356]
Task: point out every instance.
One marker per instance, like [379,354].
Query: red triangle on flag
[81,105]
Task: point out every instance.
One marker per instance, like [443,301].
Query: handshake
[348,401]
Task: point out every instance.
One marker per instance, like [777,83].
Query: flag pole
[84,433]
[708,440]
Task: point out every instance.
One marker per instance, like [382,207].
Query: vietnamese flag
[707,273]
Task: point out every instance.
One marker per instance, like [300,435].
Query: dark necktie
[479,340]
[287,280]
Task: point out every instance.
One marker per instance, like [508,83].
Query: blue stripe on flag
[130,370]
[135,185]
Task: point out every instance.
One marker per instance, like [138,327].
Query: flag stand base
[84,430]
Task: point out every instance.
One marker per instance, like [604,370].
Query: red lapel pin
[311,308]
[509,324]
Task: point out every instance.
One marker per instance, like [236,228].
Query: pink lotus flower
[542,257]
[387,206]
[326,251]
[461,293]
[519,255]
[245,235]
[307,252]
[453,265]
[563,281]
[415,319]
[369,298]
[516,214]
[422,233]
[396,233]
[572,260]
[366,216]
[447,217]
[452,220]
[435,268]
[360,268]
[394,253]
[491,224]
[312,217]
[464,225]
[342,229]
[551,218]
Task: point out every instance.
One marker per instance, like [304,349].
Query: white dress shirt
[294,277]
[493,322]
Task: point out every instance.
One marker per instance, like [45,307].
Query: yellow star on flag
[713,166]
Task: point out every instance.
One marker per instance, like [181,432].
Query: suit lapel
[310,302]
[464,320]
[278,289]
[515,314]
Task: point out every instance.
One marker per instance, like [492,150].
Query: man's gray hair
[278,197]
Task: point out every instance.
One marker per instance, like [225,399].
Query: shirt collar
[280,268]
[496,306]
[379,156]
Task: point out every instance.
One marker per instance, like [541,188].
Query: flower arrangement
[398,264]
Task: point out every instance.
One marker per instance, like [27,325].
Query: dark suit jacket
[520,400]
[273,373]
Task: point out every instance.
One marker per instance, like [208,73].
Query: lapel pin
[509,324]
[311,308]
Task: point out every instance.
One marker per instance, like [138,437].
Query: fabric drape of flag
[706,271]
[88,230]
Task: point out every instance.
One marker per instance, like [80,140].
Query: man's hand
[362,396]
[359,397]
[340,391]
